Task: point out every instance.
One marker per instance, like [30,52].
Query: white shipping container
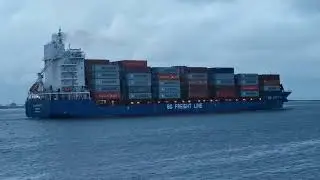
[271,88]
[249,93]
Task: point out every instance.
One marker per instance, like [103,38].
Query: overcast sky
[262,36]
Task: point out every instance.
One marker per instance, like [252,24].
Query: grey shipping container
[106,82]
[197,76]
[139,82]
[198,82]
[138,89]
[142,76]
[107,88]
[106,75]
[139,95]
[249,93]
[105,67]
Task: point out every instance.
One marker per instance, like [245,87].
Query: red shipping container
[249,88]
[270,83]
[107,95]
[168,77]
[133,63]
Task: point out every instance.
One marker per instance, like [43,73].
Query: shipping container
[167,77]
[249,93]
[221,76]
[165,70]
[106,75]
[139,96]
[134,76]
[224,93]
[222,82]
[247,76]
[138,89]
[166,89]
[106,88]
[249,88]
[172,83]
[135,70]
[269,77]
[197,76]
[169,96]
[138,83]
[106,82]
[133,63]
[247,82]
[105,68]
[107,95]
[197,82]
[196,70]
[222,70]
[271,88]
[270,83]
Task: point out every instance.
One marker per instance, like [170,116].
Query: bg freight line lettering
[185,106]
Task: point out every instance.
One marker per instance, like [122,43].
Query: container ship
[73,86]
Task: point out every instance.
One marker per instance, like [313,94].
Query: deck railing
[61,96]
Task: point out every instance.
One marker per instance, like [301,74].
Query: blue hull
[88,109]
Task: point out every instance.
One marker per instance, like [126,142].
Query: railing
[61,96]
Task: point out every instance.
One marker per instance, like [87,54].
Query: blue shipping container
[165,70]
[247,82]
[167,89]
[197,76]
[221,76]
[138,89]
[106,75]
[105,67]
[139,96]
[222,82]
[107,88]
[139,83]
[135,76]
[249,93]
[247,76]
[221,70]
[169,96]
[106,82]
[171,83]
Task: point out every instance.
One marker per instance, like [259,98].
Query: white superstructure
[64,68]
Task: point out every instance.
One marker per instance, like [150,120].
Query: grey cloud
[254,36]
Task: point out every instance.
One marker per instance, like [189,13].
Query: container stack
[247,85]
[269,83]
[103,79]
[221,82]
[194,82]
[136,80]
[165,83]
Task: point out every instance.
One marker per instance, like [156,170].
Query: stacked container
[194,82]
[247,85]
[269,83]
[165,83]
[135,80]
[103,79]
[221,82]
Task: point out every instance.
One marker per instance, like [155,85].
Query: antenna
[60,35]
